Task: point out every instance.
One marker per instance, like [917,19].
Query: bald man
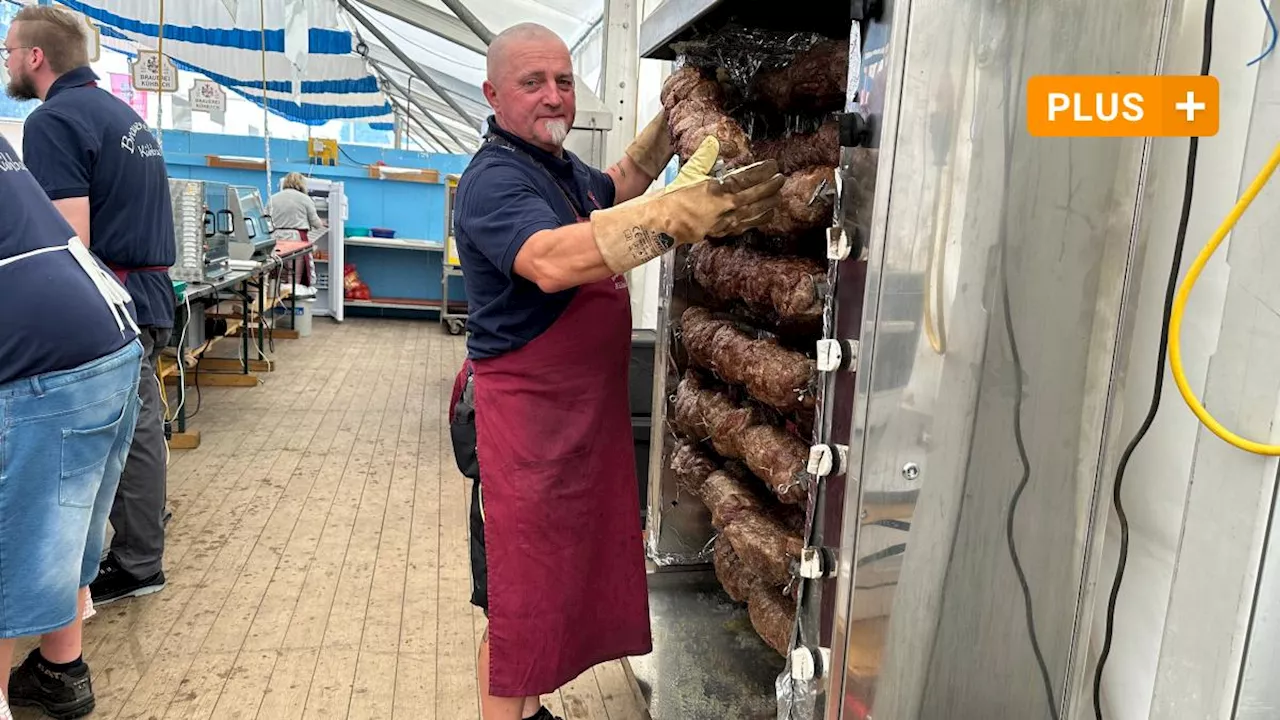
[540,415]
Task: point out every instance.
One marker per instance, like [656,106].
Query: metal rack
[679,532]
[452,266]
[932,429]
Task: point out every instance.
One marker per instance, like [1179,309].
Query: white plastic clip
[825,460]
[829,355]
[836,355]
[808,664]
[838,247]
[837,244]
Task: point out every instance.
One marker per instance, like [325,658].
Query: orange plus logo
[1122,106]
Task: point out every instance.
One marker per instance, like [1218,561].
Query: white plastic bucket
[302,317]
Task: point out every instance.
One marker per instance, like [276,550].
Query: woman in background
[294,214]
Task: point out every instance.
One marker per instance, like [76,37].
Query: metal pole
[436,141]
[412,66]
[417,138]
[444,147]
[411,102]
[470,20]
[430,115]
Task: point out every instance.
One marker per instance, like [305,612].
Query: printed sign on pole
[208,96]
[145,71]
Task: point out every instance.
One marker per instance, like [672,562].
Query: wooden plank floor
[317,556]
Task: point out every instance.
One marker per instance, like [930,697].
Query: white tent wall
[11,130]
[644,280]
[1198,508]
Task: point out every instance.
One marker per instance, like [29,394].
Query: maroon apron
[565,555]
[122,273]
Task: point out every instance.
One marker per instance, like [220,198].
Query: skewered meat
[757,545]
[764,545]
[784,290]
[773,614]
[771,373]
[729,498]
[726,491]
[814,81]
[803,208]
[800,151]
[695,110]
[743,432]
[763,542]
[704,415]
[691,467]
[792,517]
[732,573]
[691,121]
[687,83]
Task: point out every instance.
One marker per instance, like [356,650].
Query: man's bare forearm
[629,181]
[563,258]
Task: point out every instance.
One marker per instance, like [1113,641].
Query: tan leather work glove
[692,207]
[651,150]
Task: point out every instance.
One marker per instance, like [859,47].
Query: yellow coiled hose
[1180,305]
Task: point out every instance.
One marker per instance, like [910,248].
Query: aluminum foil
[736,55]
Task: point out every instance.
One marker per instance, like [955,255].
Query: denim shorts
[64,437]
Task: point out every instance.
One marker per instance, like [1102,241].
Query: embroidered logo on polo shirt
[140,142]
[9,163]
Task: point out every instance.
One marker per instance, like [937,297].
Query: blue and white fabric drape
[312,72]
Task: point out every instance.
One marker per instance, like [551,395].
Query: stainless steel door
[998,269]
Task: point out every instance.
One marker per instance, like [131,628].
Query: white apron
[112,292]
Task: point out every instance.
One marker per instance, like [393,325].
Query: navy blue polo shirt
[53,318]
[85,142]
[510,191]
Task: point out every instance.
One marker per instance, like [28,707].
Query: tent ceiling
[451,54]
[428,34]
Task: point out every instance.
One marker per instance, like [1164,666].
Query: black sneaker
[543,714]
[113,583]
[61,695]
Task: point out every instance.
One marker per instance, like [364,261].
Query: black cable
[1014,100]
[1171,290]
[1022,483]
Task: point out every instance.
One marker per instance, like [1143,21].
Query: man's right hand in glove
[694,206]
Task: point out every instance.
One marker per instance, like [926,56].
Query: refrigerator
[331,205]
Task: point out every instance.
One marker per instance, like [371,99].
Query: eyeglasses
[5,52]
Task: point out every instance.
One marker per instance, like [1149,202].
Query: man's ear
[490,94]
[37,58]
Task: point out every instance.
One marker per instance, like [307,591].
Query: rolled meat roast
[773,614]
[743,433]
[772,374]
[786,291]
